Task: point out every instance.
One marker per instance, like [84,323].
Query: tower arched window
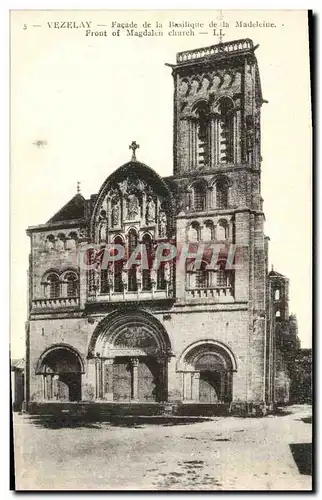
[221,193]
[208,231]
[53,285]
[161,282]
[71,280]
[222,277]
[197,278]
[146,273]
[132,278]
[222,230]
[199,197]
[118,266]
[202,113]
[225,120]
[194,232]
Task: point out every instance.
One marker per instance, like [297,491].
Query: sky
[88,97]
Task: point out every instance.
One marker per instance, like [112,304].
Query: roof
[17,364]
[275,274]
[74,209]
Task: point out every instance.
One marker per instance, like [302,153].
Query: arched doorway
[207,369]
[61,368]
[131,352]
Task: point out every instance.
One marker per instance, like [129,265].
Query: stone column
[89,381]
[55,387]
[98,378]
[187,385]
[229,386]
[212,160]
[194,144]
[195,386]
[235,138]
[216,143]
[49,386]
[223,378]
[190,144]
[209,197]
[108,379]
[163,377]
[238,137]
[44,386]
[135,379]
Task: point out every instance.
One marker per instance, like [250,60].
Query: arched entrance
[130,351]
[61,368]
[207,372]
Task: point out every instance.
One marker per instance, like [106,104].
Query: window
[208,231]
[199,197]
[197,278]
[104,281]
[222,231]
[225,110]
[203,135]
[277,294]
[202,278]
[118,266]
[223,278]
[132,281]
[71,241]
[161,283]
[72,284]
[54,285]
[146,274]
[221,193]
[193,232]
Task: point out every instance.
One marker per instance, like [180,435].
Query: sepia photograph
[161,250]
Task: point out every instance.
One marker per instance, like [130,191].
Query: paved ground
[218,454]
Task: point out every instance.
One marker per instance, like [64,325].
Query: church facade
[184,330]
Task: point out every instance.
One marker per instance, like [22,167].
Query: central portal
[131,358]
[137,379]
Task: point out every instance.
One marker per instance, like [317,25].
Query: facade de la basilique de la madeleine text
[182,336]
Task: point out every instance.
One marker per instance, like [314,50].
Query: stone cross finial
[78,187]
[134,146]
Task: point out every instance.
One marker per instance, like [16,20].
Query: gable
[74,209]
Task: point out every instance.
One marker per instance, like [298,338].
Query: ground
[224,453]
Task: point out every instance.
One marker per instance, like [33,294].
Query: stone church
[179,333]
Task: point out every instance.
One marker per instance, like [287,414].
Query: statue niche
[116,212]
[162,224]
[150,211]
[102,232]
[133,207]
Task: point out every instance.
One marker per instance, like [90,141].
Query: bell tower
[217,101]
[217,168]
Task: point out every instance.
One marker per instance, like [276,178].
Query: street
[222,453]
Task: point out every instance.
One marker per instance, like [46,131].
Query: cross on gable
[134,146]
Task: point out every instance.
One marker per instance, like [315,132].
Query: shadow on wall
[302,454]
